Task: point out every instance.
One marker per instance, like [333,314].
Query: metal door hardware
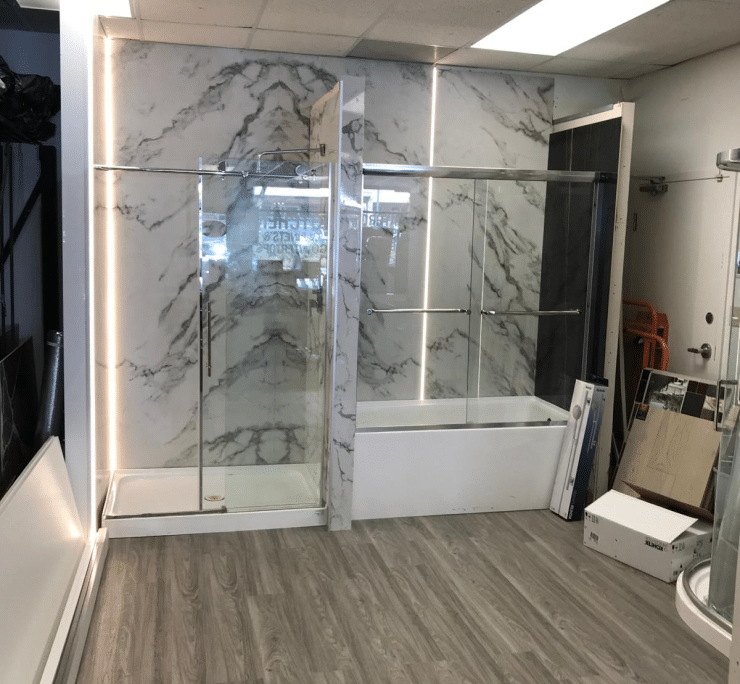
[705,350]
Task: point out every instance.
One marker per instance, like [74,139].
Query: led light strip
[423,365]
[110,265]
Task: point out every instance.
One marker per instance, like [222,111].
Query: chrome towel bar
[565,312]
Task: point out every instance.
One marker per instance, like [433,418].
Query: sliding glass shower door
[264,286]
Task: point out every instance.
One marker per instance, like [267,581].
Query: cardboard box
[669,459]
[645,536]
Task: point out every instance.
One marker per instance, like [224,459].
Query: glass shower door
[264,240]
[538,301]
[727,493]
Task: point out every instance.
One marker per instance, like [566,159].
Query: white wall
[678,255]
[581,94]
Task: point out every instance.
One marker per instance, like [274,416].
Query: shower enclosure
[705,591]
[263,273]
[264,246]
[484,298]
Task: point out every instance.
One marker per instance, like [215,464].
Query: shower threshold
[156,501]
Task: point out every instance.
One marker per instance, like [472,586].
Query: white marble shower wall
[173,104]
[482,118]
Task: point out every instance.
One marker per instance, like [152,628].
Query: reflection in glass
[264,282]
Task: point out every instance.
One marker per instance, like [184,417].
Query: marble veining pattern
[175,104]
[345,257]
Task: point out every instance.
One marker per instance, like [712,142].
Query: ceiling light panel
[554,26]
[113,8]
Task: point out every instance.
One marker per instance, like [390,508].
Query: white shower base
[156,501]
[505,465]
[708,630]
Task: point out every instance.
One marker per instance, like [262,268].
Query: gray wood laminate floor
[495,598]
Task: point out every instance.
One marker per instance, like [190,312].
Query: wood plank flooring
[501,598]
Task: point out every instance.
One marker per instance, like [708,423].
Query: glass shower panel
[264,284]
[415,303]
[533,256]
[727,493]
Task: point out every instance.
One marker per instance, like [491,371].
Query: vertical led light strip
[423,365]
[110,268]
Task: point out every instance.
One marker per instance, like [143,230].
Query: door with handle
[263,256]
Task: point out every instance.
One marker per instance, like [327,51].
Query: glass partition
[482,299]
[727,493]
[263,244]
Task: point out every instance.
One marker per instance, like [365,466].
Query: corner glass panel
[264,243]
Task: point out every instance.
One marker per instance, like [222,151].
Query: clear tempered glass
[531,287]
[727,494]
[264,240]
[456,275]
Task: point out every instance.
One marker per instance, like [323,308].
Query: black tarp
[27,103]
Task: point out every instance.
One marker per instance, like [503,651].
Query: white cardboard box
[647,537]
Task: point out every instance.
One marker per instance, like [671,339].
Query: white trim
[60,638]
[76,35]
[603,454]
[156,526]
[597,117]
[76,640]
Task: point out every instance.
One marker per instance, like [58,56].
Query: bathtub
[420,458]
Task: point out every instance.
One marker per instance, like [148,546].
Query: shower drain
[213,497]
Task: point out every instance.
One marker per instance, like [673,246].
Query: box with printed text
[647,537]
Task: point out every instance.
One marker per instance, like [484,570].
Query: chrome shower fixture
[729,160]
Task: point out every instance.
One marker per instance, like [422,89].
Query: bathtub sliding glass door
[483,300]
[263,250]
[539,297]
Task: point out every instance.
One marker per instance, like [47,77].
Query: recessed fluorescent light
[554,26]
[39,4]
[114,8]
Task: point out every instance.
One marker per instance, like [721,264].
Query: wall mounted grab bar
[566,312]
[370,312]
[191,172]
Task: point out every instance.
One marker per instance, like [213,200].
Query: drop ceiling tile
[301,43]
[118,27]
[672,33]
[441,22]
[328,17]
[399,52]
[493,59]
[191,34]
[241,13]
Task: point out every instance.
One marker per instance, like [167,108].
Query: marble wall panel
[346,255]
[506,123]
[174,104]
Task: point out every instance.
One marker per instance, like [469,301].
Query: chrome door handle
[705,350]
[208,341]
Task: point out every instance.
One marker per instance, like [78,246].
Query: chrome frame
[464,426]
[705,610]
[564,312]
[370,312]
[483,173]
